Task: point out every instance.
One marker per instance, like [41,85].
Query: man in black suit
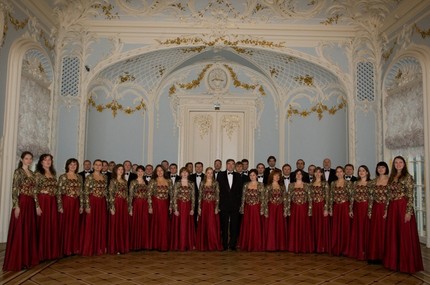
[286,175]
[239,169]
[271,161]
[300,164]
[329,173]
[217,167]
[197,179]
[260,172]
[173,170]
[105,170]
[87,170]
[349,173]
[245,163]
[128,174]
[149,169]
[230,198]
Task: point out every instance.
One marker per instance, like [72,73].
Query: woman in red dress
[276,222]
[160,189]
[299,209]
[49,204]
[70,187]
[358,211]
[21,246]
[378,203]
[183,233]
[320,221]
[208,228]
[141,210]
[252,209]
[340,195]
[94,222]
[402,245]
[119,209]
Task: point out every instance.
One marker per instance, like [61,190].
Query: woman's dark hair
[301,171]
[320,170]
[154,173]
[39,167]
[141,167]
[367,170]
[393,173]
[253,171]
[69,161]
[384,164]
[272,174]
[115,172]
[23,154]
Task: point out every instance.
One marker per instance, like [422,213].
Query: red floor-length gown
[21,247]
[208,236]
[94,224]
[402,245]
[140,226]
[276,222]
[300,238]
[377,208]
[48,224]
[160,225]
[119,222]
[72,199]
[321,227]
[183,232]
[359,238]
[341,222]
[251,230]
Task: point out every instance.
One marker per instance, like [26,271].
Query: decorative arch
[13,86]
[422,55]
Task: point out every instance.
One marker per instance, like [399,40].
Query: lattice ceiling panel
[147,69]
[290,72]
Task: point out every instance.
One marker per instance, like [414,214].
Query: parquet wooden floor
[152,267]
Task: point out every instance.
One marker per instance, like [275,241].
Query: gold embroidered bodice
[117,190]
[404,188]
[138,190]
[276,195]
[22,185]
[95,188]
[70,187]
[380,193]
[253,196]
[340,194]
[48,186]
[184,194]
[209,194]
[299,196]
[360,193]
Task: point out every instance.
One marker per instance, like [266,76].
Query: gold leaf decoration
[399,74]
[234,44]
[274,72]
[240,84]
[196,82]
[19,25]
[126,77]
[305,80]
[331,20]
[423,33]
[107,11]
[46,41]
[319,109]
[114,106]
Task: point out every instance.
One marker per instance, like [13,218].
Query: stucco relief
[230,123]
[204,124]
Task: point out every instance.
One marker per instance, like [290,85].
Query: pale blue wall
[67,138]
[366,143]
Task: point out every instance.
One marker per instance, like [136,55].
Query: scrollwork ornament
[230,123]
[204,122]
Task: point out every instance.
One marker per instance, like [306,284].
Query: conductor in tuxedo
[197,178]
[230,196]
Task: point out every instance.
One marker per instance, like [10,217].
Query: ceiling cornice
[292,35]
[407,11]
[40,9]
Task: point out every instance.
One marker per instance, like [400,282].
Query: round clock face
[217,79]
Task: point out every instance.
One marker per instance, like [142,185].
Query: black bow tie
[260,176]
[229,173]
[287,177]
[327,170]
[348,177]
[172,176]
[198,175]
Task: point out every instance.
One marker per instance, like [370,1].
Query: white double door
[210,135]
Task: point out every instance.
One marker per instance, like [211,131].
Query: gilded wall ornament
[318,109]
[424,33]
[114,106]
[217,79]
[305,80]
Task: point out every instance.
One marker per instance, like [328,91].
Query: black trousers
[230,226]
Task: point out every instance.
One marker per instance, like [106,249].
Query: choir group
[109,209]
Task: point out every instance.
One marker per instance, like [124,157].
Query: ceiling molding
[406,12]
[292,35]
[40,9]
